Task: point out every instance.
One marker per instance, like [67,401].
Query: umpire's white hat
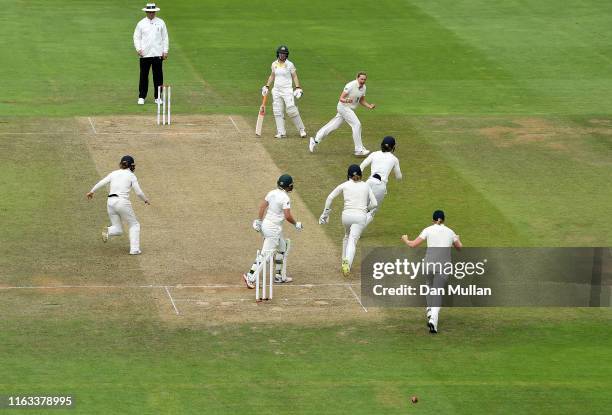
[151,7]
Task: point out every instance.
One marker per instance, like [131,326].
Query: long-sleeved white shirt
[121,182]
[357,196]
[382,164]
[151,36]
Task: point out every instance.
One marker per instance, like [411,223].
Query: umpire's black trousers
[158,75]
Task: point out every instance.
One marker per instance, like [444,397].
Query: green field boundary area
[501,113]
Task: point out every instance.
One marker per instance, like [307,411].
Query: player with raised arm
[118,205]
[439,240]
[381,164]
[358,200]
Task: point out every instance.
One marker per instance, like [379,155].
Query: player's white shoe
[158,101]
[104,236]
[303,133]
[135,252]
[433,327]
[346,268]
[280,280]
[312,144]
[250,284]
[362,153]
[140,101]
[280,136]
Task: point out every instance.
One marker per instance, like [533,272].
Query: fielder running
[273,210]
[358,199]
[284,75]
[118,205]
[439,239]
[352,95]
[382,162]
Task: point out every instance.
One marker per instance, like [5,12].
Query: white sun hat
[151,7]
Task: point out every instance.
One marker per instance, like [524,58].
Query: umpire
[151,42]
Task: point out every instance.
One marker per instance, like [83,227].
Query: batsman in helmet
[273,211]
[284,76]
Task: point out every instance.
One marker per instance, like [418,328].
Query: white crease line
[232,120]
[92,125]
[177,286]
[50,287]
[41,133]
[332,284]
[147,133]
[195,300]
[172,301]
[357,298]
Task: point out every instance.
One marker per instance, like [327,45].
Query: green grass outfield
[502,113]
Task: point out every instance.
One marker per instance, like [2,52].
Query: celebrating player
[352,95]
[358,199]
[382,162]
[284,75]
[439,241]
[273,210]
[118,205]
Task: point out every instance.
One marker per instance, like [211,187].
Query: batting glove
[299,226]
[264,90]
[257,225]
[297,93]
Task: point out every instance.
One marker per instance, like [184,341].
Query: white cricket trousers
[345,113]
[434,302]
[273,238]
[283,100]
[354,222]
[379,188]
[273,242]
[121,209]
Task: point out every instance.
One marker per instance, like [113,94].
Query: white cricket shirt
[278,200]
[354,92]
[151,36]
[282,74]
[439,236]
[121,182]
[382,163]
[357,196]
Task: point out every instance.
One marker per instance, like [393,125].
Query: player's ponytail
[438,216]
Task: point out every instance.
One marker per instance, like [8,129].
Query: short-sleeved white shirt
[278,200]
[354,92]
[439,236]
[282,74]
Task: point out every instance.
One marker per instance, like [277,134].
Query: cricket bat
[260,117]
